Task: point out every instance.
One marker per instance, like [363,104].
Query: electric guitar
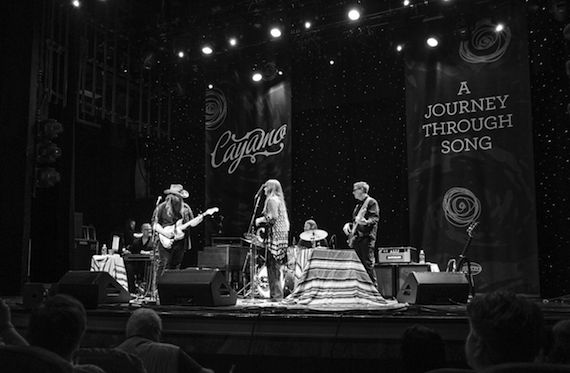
[178,228]
[353,234]
[452,265]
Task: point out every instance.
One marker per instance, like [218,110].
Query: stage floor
[255,333]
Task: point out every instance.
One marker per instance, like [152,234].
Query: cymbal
[314,235]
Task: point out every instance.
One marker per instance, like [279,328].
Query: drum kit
[258,269]
[313,236]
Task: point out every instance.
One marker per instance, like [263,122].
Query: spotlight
[181,54]
[76,3]
[280,72]
[399,47]
[256,77]
[232,42]
[210,86]
[308,25]
[406,2]
[275,32]
[432,42]
[207,50]
[353,14]
[331,62]
[500,27]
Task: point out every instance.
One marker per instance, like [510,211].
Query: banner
[470,157]
[248,141]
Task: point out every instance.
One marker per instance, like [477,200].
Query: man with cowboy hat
[166,218]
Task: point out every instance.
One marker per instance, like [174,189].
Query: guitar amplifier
[401,254]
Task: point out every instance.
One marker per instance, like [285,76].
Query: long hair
[274,189]
[173,205]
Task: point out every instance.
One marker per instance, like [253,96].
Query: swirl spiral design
[216,109]
[460,207]
[486,45]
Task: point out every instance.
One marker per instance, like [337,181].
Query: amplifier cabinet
[228,257]
[391,277]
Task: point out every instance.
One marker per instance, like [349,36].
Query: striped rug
[336,279]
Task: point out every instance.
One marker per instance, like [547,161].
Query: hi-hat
[314,235]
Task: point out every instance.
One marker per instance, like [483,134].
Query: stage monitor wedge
[195,287]
[434,288]
[93,288]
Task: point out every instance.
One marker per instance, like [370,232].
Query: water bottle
[422,257]
[104,249]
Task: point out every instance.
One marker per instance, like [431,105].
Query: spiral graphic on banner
[461,207]
[216,109]
[486,45]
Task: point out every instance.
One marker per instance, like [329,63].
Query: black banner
[470,152]
[248,140]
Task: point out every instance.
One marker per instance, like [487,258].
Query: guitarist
[362,231]
[167,214]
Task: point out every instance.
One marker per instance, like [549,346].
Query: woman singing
[275,216]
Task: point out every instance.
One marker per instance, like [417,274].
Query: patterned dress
[278,235]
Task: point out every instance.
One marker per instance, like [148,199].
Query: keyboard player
[135,262]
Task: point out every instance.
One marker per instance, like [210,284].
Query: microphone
[259,191]
[158,200]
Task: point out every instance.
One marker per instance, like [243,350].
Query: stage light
[280,72]
[181,54]
[256,77]
[500,27]
[353,14]
[207,50]
[399,48]
[308,25]
[76,3]
[406,2]
[210,86]
[275,32]
[331,62]
[432,42]
[232,42]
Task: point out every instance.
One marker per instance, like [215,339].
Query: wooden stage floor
[258,336]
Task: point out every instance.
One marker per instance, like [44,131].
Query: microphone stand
[251,253]
[463,259]
[151,288]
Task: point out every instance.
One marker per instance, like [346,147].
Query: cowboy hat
[178,190]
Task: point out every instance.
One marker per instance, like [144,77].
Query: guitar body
[178,229]
[352,236]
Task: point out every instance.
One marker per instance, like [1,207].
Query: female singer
[277,240]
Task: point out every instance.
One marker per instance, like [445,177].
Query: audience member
[8,333]
[504,328]
[143,332]
[560,350]
[422,350]
[58,325]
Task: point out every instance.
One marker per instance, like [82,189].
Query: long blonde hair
[274,189]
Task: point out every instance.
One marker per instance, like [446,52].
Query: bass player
[362,230]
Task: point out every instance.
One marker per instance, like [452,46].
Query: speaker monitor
[434,288]
[391,277]
[92,288]
[195,286]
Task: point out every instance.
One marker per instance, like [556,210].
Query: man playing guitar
[164,218]
[362,231]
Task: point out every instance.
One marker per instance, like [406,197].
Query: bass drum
[262,283]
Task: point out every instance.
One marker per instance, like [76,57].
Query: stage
[256,335]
